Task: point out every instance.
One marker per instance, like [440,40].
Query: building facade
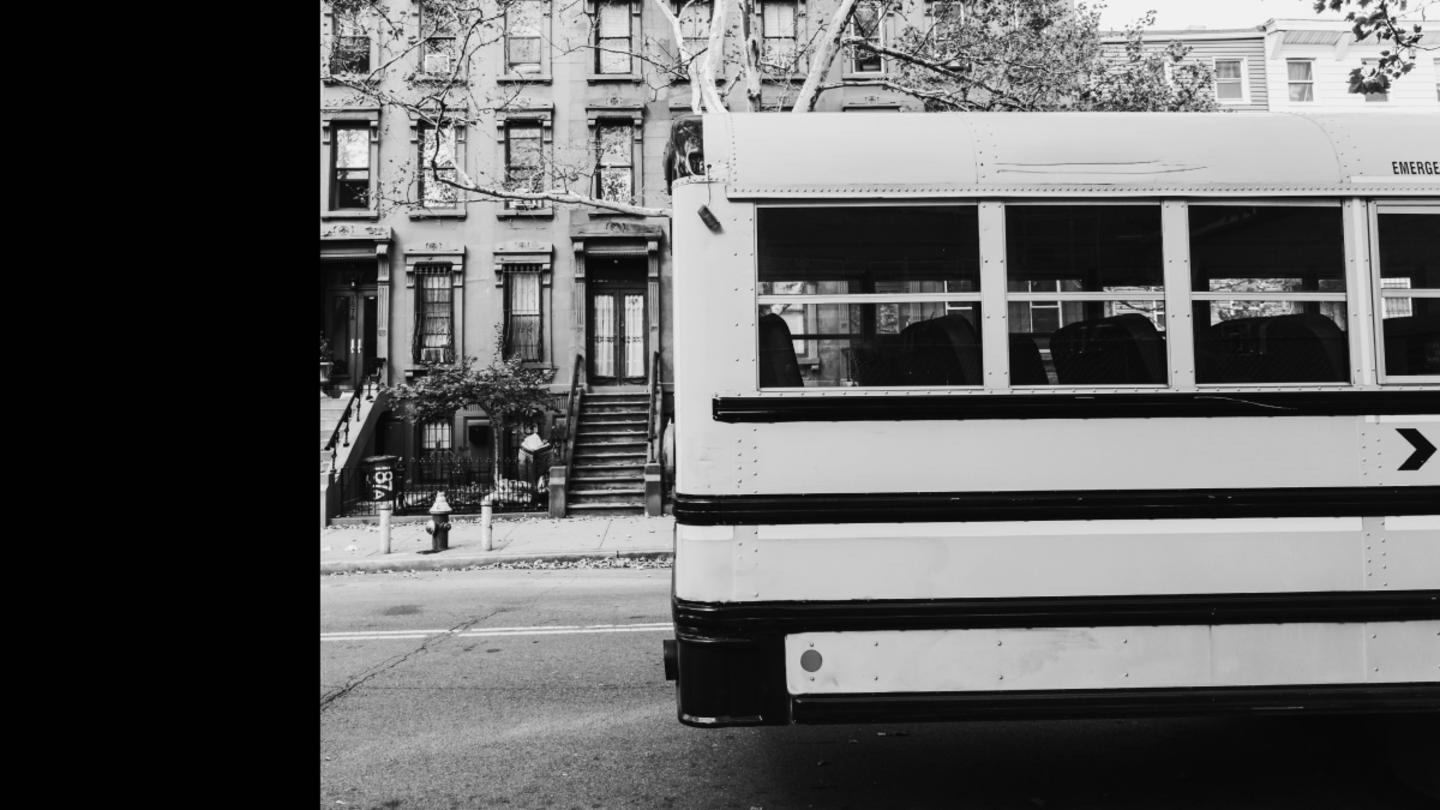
[1298,65]
[537,95]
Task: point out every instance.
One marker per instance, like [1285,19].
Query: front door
[618,333]
[349,322]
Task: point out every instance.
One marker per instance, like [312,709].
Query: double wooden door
[349,322]
[618,333]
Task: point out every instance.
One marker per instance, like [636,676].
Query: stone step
[638,433]
[608,441]
[630,453]
[627,473]
[619,486]
[605,499]
[619,465]
[614,423]
[615,412]
[605,509]
[638,396]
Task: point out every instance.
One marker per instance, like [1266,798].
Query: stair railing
[564,441]
[653,436]
[572,410]
[341,435]
[654,473]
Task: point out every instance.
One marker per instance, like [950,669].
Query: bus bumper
[782,663]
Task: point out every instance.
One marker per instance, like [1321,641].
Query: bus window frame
[1352,276]
[1374,209]
[1006,296]
[844,299]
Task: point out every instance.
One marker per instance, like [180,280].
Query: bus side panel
[1058,454]
[714,340]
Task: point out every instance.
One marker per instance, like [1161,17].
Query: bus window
[868,296]
[1268,284]
[1085,295]
[1410,293]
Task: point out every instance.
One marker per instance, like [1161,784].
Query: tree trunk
[824,57]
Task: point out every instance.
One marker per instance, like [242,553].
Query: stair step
[613,419]
[635,470]
[636,431]
[584,467]
[620,486]
[606,509]
[608,441]
[636,396]
[602,497]
[617,454]
[615,413]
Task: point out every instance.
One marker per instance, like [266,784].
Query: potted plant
[326,363]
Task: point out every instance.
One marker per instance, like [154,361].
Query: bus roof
[936,155]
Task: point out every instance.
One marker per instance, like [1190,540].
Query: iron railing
[563,441]
[653,437]
[341,435]
[521,486]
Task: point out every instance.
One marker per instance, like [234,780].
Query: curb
[439,563]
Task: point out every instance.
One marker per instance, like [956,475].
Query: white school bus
[1051,415]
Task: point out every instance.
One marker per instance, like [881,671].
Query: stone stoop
[607,464]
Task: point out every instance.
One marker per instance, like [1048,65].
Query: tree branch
[824,57]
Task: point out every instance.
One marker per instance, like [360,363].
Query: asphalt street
[544,689]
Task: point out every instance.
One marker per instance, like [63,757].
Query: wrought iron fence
[521,486]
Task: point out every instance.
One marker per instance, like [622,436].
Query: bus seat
[1305,347]
[1228,351]
[778,367]
[1407,341]
[941,351]
[1026,366]
[877,361]
[1119,349]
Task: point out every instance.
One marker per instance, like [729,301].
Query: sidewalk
[356,547]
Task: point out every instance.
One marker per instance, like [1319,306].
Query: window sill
[608,78]
[421,371]
[455,213]
[522,213]
[447,79]
[790,79]
[863,78]
[371,215]
[523,78]
[334,79]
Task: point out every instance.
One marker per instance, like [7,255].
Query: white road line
[539,630]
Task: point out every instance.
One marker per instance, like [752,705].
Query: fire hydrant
[439,526]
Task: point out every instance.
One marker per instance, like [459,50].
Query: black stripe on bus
[1100,504]
[1387,698]
[717,622]
[1168,405]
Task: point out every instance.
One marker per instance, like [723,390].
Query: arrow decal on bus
[1423,448]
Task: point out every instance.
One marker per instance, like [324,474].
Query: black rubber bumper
[729,658]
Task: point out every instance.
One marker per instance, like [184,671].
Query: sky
[1179,14]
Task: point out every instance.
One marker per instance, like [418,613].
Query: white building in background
[1300,65]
